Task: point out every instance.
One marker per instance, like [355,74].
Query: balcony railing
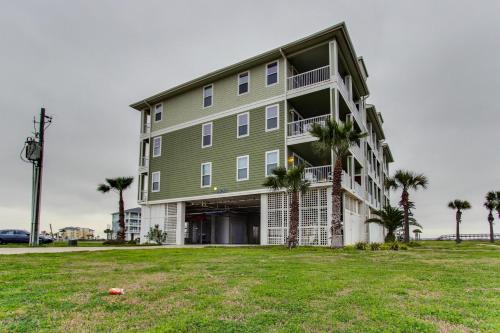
[143,196]
[144,162]
[309,78]
[323,174]
[146,128]
[303,126]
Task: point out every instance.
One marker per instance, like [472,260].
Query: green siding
[182,155]
[188,106]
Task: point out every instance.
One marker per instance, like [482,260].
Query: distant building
[76,233]
[132,223]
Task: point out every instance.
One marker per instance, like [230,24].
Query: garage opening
[233,220]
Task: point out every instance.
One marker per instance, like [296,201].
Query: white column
[329,211]
[333,53]
[263,219]
[181,219]
[348,83]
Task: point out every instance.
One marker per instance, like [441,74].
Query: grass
[437,287]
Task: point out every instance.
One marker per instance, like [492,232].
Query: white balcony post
[181,220]
[333,53]
[348,83]
[263,219]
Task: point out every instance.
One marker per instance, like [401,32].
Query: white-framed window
[272,117]
[272,73]
[158,112]
[243,83]
[208,95]
[243,125]
[242,168]
[272,161]
[206,135]
[206,174]
[157,146]
[155,181]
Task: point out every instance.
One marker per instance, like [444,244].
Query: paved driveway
[23,250]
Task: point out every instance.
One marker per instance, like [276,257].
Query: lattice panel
[170,225]
[313,217]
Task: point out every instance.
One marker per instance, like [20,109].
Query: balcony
[302,127]
[145,129]
[143,196]
[309,78]
[144,164]
[323,174]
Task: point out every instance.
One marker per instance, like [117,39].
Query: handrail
[300,127]
[308,78]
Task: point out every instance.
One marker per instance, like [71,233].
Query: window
[157,146]
[243,125]
[243,83]
[155,181]
[206,135]
[272,117]
[272,161]
[208,93]
[272,73]
[242,168]
[158,112]
[206,174]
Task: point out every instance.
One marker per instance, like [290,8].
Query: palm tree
[459,205]
[293,182]
[391,218]
[336,137]
[491,203]
[498,203]
[406,180]
[118,185]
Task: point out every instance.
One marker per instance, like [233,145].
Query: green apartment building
[207,145]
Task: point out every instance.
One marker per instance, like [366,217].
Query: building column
[181,220]
[333,53]
[329,210]
[212,229]
[263,219]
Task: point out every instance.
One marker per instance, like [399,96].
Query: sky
[434,71]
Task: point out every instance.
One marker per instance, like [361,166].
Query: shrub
[385,246]
[375,246]
[349,248]
[156,235]
[361,246]
[414,244]
[403,247]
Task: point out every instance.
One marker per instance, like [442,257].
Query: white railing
[146,128]
[342,86]
[303,126]
[320,174]
[358,189]
[356,150]
[345,92]
[311,77]
[144,162]
[143,196]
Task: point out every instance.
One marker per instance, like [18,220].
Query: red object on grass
[116,291]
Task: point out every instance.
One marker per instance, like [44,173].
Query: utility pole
[34,153]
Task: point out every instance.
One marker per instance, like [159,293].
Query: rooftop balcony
[309,78]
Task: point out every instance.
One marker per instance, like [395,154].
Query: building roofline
[338,30]
[376,119]
[388,152]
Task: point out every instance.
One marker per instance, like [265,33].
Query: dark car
[19,236]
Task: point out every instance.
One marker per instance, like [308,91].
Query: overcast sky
[434,74]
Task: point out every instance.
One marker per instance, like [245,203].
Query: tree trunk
[406,215]
[458,218]
[294,221]
[490,221]
[336,228]
[121,223]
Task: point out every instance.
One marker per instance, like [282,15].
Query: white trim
[238,83]
[201,175]
[161,112]
[238,125]
[203,96]
[154,139]
[277,160]
[222,114]
[277,72]
[248,168]
[230,194]
[153,180]
[277,117]
[211,134]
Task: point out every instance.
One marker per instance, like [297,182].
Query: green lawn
[438,287]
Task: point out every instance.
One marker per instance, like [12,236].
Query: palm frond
[103,188]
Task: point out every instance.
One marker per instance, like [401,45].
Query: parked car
[19,236]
